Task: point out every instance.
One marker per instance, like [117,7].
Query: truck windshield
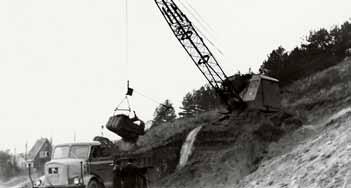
[75,152]
[79,152]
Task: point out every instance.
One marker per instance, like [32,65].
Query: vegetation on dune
[164,113]
[321,50]
[203,99]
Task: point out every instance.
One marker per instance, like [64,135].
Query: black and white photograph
[175,94]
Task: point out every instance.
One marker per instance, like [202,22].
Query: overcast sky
[63,68]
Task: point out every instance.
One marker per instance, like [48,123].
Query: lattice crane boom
[198,51]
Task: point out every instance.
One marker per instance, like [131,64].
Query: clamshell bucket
[123,126]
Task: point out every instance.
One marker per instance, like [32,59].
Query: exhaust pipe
[82,172]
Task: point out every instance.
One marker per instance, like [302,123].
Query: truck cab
[78,165]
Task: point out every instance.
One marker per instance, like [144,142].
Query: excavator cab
[262,93]
[252,92]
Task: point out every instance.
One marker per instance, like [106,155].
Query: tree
[273,65]
[188,105]
[164,113]
[201,100]
[8,167]
[342,38]
[319,40]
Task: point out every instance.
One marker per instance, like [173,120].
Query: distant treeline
[323,48]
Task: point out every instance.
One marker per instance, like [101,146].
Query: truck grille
[56,175]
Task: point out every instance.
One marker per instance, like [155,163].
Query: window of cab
[100,152]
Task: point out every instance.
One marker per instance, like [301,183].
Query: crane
[198,51]
[261,92]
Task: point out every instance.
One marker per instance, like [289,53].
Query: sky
[63,67]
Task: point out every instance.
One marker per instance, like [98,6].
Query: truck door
[101,164]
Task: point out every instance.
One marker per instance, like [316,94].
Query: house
[39,154]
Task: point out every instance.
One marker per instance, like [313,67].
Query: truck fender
[88,178]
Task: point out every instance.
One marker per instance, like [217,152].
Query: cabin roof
[268,78]
[92,143]
[37,148]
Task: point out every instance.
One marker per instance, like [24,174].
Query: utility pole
[26,148]
[14,156]
[74,136]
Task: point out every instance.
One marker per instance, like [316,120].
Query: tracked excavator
[237,93]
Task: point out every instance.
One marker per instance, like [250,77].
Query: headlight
[76,180]
[38,183]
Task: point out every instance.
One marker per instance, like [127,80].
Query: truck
[94,165]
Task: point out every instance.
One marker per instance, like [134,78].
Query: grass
[159,135]
[318,93]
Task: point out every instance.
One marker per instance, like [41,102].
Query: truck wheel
[93,184]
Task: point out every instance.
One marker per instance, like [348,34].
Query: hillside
[305,145]
[320,154]
[254,149]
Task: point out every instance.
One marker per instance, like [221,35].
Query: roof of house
[33,152]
